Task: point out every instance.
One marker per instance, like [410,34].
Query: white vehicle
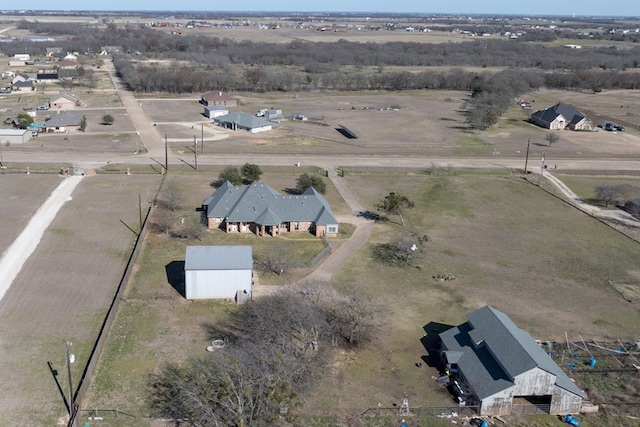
[261,113]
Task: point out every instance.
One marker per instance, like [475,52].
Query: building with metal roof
[14,136]
[259,209]
[243,121]
[223,272]
[495,364]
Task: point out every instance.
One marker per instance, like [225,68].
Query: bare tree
[191,228]
[551,138]
[354,316]
[274,354]
[171,195]
[606,193]
[627,192]
[165,220]
[274,261]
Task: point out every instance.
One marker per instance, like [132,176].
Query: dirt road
[15,256]
[616,216]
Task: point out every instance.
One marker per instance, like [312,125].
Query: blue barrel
[484,424]
[592,362]
[570,420]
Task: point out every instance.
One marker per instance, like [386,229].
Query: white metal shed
[223,272]
[14,136]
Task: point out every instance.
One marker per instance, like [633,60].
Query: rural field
[65,287]
[507,242]
[499,237]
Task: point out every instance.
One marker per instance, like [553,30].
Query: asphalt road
[155,145]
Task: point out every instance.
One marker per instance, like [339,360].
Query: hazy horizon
[586,8]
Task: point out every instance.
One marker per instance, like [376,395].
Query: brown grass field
[64,288]
[508,243]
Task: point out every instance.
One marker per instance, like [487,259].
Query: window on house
[332,229]
[296,225]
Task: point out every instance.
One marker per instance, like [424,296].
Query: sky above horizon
[502,7]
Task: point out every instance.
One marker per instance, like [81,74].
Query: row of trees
[250,173]
[180,78]
[621,194]
[277,347]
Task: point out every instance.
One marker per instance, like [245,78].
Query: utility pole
[526,160]
[201,138]
[70,359]
[541,168]
[195,151]
[166,154]
[2,166]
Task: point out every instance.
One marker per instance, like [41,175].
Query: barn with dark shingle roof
[495,364]
[259,209]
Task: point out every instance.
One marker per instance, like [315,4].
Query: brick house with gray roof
[259,209]
[495,364]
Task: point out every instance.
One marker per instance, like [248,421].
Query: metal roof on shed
[13,132]
[232,257]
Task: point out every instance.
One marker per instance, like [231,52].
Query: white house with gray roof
[259,209]
[496,365]
[218,272]
[561,116]
[243,121]
[63,122]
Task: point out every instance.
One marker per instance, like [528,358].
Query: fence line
[110,316]
[602,117]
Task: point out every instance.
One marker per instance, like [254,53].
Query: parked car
[43,108]
[5,90]
[620,128]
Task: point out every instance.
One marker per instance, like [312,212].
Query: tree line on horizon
[198,63]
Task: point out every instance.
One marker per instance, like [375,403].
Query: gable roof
[229,257]
[66,118]
[569,112]
[244,120]
[495,351]
[13,132]
[216,95]
[66,95]
[209,108]
[259,203]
